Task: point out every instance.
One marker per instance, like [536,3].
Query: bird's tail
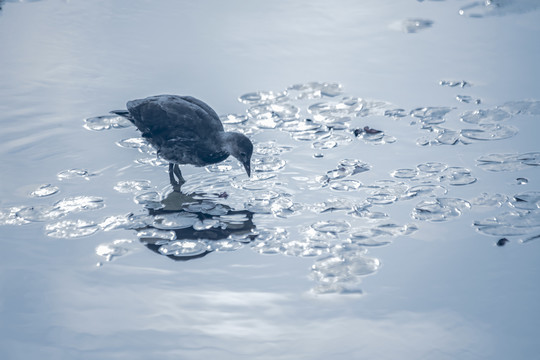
[123,113]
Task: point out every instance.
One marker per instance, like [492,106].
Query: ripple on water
[440,209]
[45,190]
[415,25]
[71,229]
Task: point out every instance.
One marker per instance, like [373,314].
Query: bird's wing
[167,117]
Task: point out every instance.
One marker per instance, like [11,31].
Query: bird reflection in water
[198,225]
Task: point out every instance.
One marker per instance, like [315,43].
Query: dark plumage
[185,130]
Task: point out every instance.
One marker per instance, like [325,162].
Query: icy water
[393,210]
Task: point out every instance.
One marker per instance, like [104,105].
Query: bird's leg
[178,174]
[171,175]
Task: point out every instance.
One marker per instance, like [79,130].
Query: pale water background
[341,246]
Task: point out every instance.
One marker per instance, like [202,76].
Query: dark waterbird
[185,130]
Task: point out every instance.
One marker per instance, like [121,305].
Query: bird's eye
[243,154]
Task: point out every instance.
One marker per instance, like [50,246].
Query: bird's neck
[226,140]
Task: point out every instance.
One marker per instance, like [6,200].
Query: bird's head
[241,148]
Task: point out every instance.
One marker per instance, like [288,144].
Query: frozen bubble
[431,115]
[395,113]
[304,248]
[431,167]
[453,83]
[425,190]
[270,241]
[149,197]
[268,163]
[206,224]
[414,25]
[479,9]
[324,144]
[40,213]
[339,274]
[357,166]
[446,136]
[177,220]
[44,190]
[224,245]
[485,199]
[457,176]
[440,209]
[9,216]
[529,200]
[490,132]
[271,148]
[234,221]
[73,174]
[282,112]
[132,186]
[282,207]
[345,107]
[262,97]
[184,248]
[500,162]
[79,203]
[404,173]
[531,159]
[491,116]
[106,122]
[345,185]
[382,198]
[522,181]
[467,99]
[510,223]
[331,226]
[524,107]
[128,221]
[334,204]
[220,167]
[114,249]
[71,229]
[318,155]
[153,234]
[233,119]
[300,126]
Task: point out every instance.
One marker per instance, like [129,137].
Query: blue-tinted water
[393,206]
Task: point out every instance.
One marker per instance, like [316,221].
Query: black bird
[185,130]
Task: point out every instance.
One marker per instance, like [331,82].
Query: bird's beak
[247,166]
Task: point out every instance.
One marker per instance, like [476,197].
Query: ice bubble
[268,163]
[177,220]
[184,248]
[490,132]
[490,116]
[73,174]
[71,229]
[106,122]
[440,209]
[114,249]
[132,186]
[331,226]
[431,115]
[45,190]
